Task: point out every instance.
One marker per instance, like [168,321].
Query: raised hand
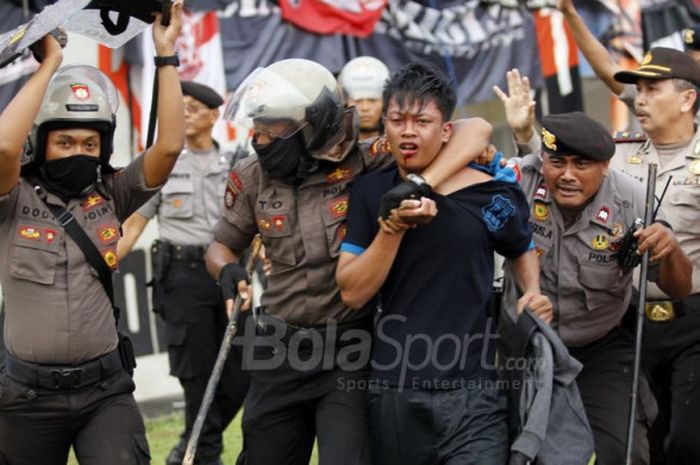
[164,37]
[519,106]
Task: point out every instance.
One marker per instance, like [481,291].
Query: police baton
[231,329]
[648,218]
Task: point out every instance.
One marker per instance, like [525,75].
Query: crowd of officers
[380,217]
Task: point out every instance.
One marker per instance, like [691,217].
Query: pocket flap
[178,186]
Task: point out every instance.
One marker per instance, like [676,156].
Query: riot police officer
[188,207]
[63,383]
[362,80]
[294,192]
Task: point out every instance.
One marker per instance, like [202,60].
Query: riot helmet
[296,96]
[363,78]
[78,96]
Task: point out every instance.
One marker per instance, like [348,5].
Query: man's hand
[404,191]
[234,280]
[519,106]
[487,156]
[566,6]
[658,240]
[164,37]
[539,304]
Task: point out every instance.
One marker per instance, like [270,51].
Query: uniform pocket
[34,255]
[177,199]
[278,239]
[683,211]
[602,285]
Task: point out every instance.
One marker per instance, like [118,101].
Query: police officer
[362,80]
[294,192]
[188,207]
[581,211]
[668,98]
[63,383]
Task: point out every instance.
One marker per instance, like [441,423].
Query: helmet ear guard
[325,118]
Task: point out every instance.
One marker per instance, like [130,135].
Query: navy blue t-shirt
[434,330]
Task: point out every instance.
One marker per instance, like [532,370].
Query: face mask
[281,157]
[70,176]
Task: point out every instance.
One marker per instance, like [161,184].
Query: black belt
[186,252]
[268,325]
[63,376]
[661,311]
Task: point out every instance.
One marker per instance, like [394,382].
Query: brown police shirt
[56,310]
[681,204]
[589,291]
[302,229]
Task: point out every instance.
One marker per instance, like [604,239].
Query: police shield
[16,41]
[110,22]
[115,22]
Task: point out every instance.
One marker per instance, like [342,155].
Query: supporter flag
[350,17]
[559,61]
[201,60]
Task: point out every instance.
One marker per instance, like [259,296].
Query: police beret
[204,94]
[691,38]
[576,134]
[663,63]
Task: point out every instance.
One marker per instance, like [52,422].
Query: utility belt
[662,311]
[271,326]
[63,377]
[185,252]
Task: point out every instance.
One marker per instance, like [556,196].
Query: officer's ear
[214,115]
[690,96]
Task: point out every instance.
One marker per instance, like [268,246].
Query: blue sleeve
[361,221]
[507,218]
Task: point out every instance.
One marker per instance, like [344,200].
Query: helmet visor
[268,103]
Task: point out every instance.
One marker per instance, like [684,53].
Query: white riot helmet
[295,95]
[78,96]
[363,78]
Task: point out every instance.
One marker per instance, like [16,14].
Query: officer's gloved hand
[404,191]
[229,277]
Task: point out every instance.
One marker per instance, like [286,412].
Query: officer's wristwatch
[417,179]
[172,60]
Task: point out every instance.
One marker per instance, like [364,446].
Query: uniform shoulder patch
[379,147]
[622,137]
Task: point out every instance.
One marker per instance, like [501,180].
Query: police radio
[627,256]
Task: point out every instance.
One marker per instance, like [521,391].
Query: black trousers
[605,384]
[101,421]
[672,358]
[457,427]
[288,406]
[191,305]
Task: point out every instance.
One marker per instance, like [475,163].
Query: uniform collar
[600,210]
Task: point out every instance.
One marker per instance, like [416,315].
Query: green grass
[164,432]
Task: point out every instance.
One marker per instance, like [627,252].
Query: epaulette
[621,137]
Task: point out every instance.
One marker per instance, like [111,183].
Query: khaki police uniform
[63,382]
[590,295]
[672,329]
[189,300]
[302,228]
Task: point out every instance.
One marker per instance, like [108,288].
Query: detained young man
[435,395]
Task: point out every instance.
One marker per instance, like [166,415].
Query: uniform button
[31,394]
[274,350]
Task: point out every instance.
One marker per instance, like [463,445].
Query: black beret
[204,94]
[576,134]
[663,63]
[691,38]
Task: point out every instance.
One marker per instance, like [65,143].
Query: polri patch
[339,174]
[600,242]
[30,232]
[540,211]
[110,259]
